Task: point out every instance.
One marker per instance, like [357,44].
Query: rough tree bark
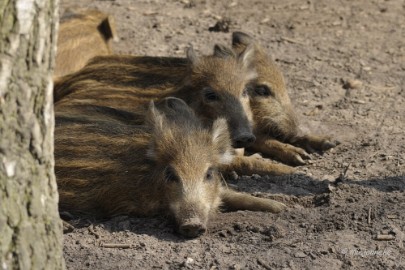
[30,228]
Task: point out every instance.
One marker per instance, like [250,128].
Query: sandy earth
[344,199]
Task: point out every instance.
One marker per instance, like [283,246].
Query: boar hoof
[67,228]
[328,145]
[280,207]
[297,156]
[192,229]
[277,207]
[298,160]
[257,155]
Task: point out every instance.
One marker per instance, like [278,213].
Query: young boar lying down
[106,80]
[83,34]
[106,165]
[213,86]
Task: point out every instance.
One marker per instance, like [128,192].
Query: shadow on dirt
[302,185]
[389,184]
[293,190]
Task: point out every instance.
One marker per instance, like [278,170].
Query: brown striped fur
[83,34]
[214,86]
[108,165]
[275,123]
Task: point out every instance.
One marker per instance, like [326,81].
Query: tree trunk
[30,227]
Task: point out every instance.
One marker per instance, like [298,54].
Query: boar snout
[241,133]
[192,227]
[244,139]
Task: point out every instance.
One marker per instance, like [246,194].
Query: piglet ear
[175,110]
[176,104]
[192,56]
[223,51]
[159,131]
[222,141]
[154,118]
[241,39]
[107,29]
[246,57]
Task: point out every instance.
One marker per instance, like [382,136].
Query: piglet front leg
[233,201]
[315,143]
[283,152]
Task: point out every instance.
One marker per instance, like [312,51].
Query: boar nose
[193,228]
[244,140]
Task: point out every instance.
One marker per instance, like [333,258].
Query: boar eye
[263,90]
[170,175]
[210,95]
[245,92]
[209,174]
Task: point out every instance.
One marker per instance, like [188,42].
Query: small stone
[352,84]
[265,20]
[189,260]
[329,178]
[300,254]
[235,267]
[233,4]
[10,167]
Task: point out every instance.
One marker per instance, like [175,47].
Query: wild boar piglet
[106,166]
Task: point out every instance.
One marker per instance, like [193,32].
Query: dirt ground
[344,200]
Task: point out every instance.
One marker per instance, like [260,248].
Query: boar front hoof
[192,229]
[277,207]
[329,145]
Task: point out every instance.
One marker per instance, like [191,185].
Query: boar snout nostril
[192,230]
[244,140]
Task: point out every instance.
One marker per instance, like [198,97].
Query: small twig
[346,169]
[369,216]
[149,13]
[378,87]
[115,245]
[303,80]
[263,264]
[292,40]
[288,62]
[91,230]
[384,237]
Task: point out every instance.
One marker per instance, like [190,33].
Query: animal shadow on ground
[292,190]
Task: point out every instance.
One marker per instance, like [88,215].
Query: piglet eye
[170,175]
[263,90]
[209,174]
[245,92]
[210,95]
